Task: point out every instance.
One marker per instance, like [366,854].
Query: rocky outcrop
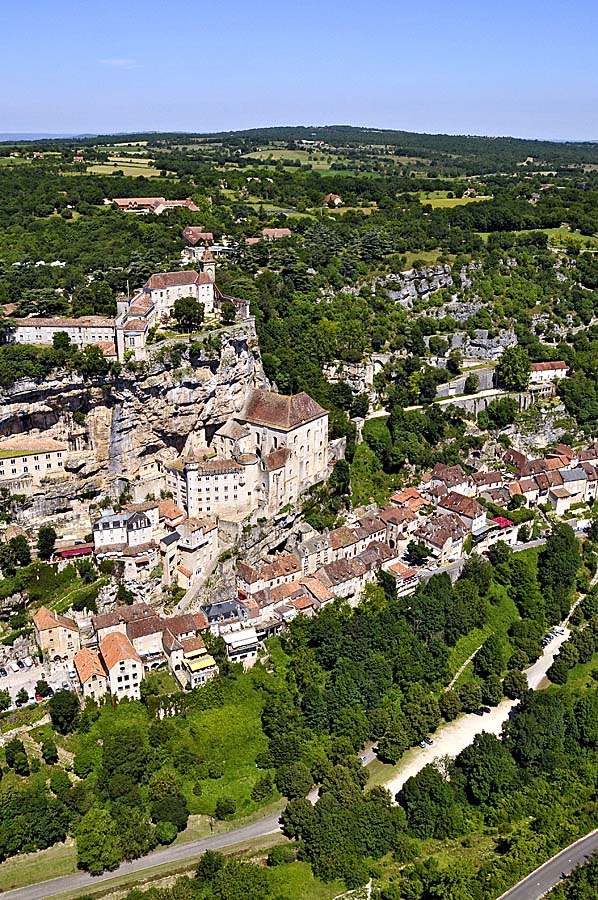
[181,390]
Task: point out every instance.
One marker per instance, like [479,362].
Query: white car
[28,662]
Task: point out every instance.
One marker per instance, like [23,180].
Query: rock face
[163,407]
[182,389]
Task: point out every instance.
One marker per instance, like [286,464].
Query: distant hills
[466,153]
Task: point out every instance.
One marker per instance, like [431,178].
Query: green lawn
[29,868]
[557,237]
[367,478]
[503,613]
[295,881]
[232,735]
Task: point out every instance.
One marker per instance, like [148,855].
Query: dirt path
[454,737]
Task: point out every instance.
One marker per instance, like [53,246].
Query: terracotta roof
[141,507]
[342,537]
[395,515]
[247,573]
[136,325]
[193,235]
[123,615]
[184,571]
[284,565]
[144,627]
[189,645]
[285,591]
[402,571]
[137,201]
[462,506]
[182,624]
[233,430]
[116,647]
[277,459]
[557,365]
[88,663]
[274,233]
[371,525]
[45,619]
[167,509]
[449,475]
[108,348]
[162,280]
[201,622]
[279,411]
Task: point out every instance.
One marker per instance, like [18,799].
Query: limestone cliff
[182,389]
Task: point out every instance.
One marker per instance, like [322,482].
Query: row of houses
[125,644]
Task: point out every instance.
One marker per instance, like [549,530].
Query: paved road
[81,881]
[550,874]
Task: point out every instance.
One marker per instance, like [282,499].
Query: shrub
[225,807]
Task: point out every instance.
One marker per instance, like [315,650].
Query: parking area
[55,674]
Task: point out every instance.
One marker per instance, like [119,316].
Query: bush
[166,832]
[263,788]
[225,807]
[172,808]
[281,854]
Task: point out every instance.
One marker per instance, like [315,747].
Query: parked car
[423,745]
[3,672]
[65,686]
[13,667]
[428,741]
[28,662]
[559,630]
[72,673]
[20,664]
[38,698]
[50,692]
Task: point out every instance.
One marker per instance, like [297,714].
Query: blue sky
[524,68]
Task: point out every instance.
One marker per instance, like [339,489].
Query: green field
[132,167]
[318,159]
[449,202]
[557,237]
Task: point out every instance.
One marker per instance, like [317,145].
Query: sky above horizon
[523,69]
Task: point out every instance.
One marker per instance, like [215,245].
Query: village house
[468,510]
[123,665]
[117,619]
[345,578]
[242,646]
[332,198]
[546,372]
[189,553]
[83,332]
[190,662]
[93,680]
[274,234]
[449,478]
[406,578]
[400,523]
[31,458]
[56,636]
[409,498]
[128,536]
[153,205]
[443,535]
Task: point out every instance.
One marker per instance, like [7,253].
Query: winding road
[546,876]
[448,740]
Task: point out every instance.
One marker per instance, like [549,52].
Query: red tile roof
[173,279]
[88,663]
[117,647]
[279,411]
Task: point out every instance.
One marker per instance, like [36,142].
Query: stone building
[56,635]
